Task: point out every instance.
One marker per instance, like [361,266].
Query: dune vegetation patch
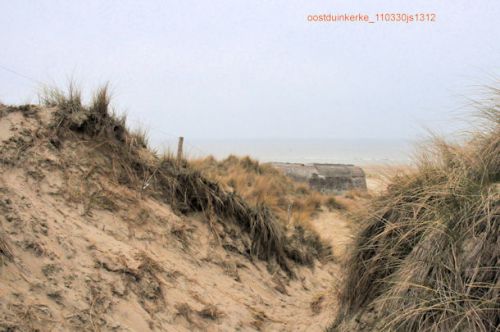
[428,257]
[293,203]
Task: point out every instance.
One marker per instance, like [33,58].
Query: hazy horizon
[247,70]
[299,150]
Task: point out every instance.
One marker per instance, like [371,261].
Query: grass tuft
[5,251]
[428,258]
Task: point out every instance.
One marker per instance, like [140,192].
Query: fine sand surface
[112,260]
[377,176]
[337,230]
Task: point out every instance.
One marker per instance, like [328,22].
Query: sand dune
[96,255]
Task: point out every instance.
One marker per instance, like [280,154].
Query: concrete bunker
[326,178]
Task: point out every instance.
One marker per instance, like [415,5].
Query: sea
[342,151]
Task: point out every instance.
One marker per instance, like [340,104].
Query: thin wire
[20,75]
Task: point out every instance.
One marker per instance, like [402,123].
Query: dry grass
[259,183]
[292,203]
[129,162]
[5,251]
[28,317]
[428,258]
[211,312]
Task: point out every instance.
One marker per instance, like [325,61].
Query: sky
[257,69]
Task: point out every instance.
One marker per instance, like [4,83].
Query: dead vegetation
[141,277]
[129,162]
[92,318]
[211,312]
[428,258]
[316,304]
[258,183]
[5,251]
[293,204]
[27,317]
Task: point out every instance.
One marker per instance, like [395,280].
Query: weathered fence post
[179,149]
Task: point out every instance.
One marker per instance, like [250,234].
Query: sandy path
[335,228]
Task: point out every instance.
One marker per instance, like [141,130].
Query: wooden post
[179,149]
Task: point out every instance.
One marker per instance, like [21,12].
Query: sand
[105,258]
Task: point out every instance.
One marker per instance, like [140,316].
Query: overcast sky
[257,69]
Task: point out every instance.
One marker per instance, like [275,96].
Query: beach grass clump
[428,258]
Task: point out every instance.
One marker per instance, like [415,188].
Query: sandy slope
[94,255]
